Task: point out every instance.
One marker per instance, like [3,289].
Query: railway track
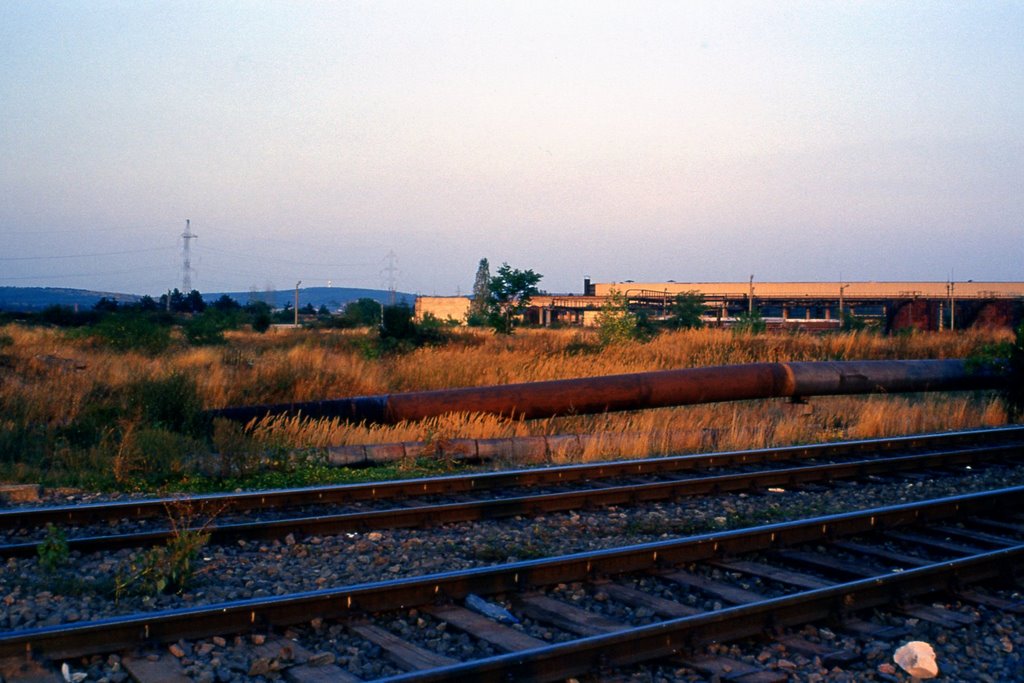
[382,505]
[594,611]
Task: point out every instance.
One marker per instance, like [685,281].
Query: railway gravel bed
[988,651]
[975,637]
[31,597]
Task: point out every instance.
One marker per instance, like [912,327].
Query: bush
[151,455]
[749,323]
[207,328]
[236,450]
[65,316]
[616,323]
[170,403]
[132,331]
[260,316]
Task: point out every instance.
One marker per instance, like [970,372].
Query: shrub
[235,449]
[749,323]
[207,328]
[65,316]
[131,331]
[152,455]
[616,323]
[171,403]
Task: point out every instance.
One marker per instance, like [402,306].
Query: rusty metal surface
[644,390]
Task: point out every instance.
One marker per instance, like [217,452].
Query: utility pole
[750,298]
[842,288]
[297,302]
[186,266]
[952,307]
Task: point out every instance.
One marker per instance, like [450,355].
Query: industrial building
[807,305]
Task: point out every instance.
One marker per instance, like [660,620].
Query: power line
[246,255]
[64,276]
[77,231]
[72,256]
[290,242]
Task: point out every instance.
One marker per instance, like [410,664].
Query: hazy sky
[617,140]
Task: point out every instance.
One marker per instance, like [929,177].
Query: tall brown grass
[47,378]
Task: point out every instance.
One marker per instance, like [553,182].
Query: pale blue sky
[646,141]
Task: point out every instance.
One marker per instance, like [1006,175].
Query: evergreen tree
[481,291]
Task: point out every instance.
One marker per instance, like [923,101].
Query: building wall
[823,289]
[442,307]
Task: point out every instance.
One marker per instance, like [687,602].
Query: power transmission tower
[391,270]
[186,265]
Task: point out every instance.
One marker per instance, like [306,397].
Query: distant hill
[28,299]
[31,299]
[334,298]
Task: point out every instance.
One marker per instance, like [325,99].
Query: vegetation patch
[79,410]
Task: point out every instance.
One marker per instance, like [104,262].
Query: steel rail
[666,638]
[77,515]
[233,617]
[446,513]
[644,390]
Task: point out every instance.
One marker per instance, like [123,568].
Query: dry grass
[47,377]
[734,426]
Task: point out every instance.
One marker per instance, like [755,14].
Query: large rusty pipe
[644,390]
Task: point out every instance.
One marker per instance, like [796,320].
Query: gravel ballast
[32,597]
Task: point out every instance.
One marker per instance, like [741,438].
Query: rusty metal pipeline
[644,390]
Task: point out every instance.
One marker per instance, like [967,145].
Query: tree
[147,303]
[184,303]
[226,304]
[207,328]
[363,312]
[172,301]
[105,305]
[511,291]
[397,323]
[259,315]
[481,294]
[686,310]
[194,302]
[285,315]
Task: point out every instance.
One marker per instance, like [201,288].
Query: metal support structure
[186,265]
[952,306]
[750,299]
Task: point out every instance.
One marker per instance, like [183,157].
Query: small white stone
[917,658]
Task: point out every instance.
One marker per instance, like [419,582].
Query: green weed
[53,551]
